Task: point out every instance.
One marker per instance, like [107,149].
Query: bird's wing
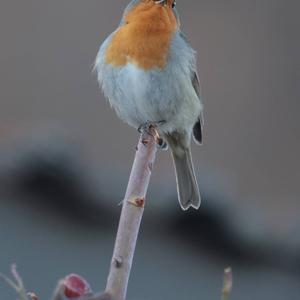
[198,127]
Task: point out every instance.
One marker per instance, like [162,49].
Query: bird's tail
[187,187]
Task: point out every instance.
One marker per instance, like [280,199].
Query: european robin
[147,70]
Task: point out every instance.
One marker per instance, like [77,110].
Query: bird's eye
[174,4]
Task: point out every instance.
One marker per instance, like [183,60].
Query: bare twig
[227,284]
[17,284]
[100,296]
[58,292]
[132,212]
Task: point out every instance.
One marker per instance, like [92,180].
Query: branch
[59,291]
[129,225]
[132,212]
[76,287]
[227,284]
[17,283]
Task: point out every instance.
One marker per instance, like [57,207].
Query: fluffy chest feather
[144,39]
[140,95]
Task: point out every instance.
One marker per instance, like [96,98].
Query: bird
[147,71]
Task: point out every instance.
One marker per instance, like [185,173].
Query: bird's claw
[151,129]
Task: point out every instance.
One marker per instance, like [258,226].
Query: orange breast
[145,37]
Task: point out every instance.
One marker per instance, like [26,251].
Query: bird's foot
[151,129]
[145,127]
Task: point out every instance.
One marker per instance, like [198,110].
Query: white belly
[155,95]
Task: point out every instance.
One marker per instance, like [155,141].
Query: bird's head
[160,12]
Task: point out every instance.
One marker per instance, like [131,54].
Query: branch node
[150,166]
[118,262]
[32,296]
[138,202]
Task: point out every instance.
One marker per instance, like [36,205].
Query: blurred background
[65,157]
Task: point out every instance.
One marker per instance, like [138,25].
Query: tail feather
[187,187]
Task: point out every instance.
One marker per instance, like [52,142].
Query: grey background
[54,123]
